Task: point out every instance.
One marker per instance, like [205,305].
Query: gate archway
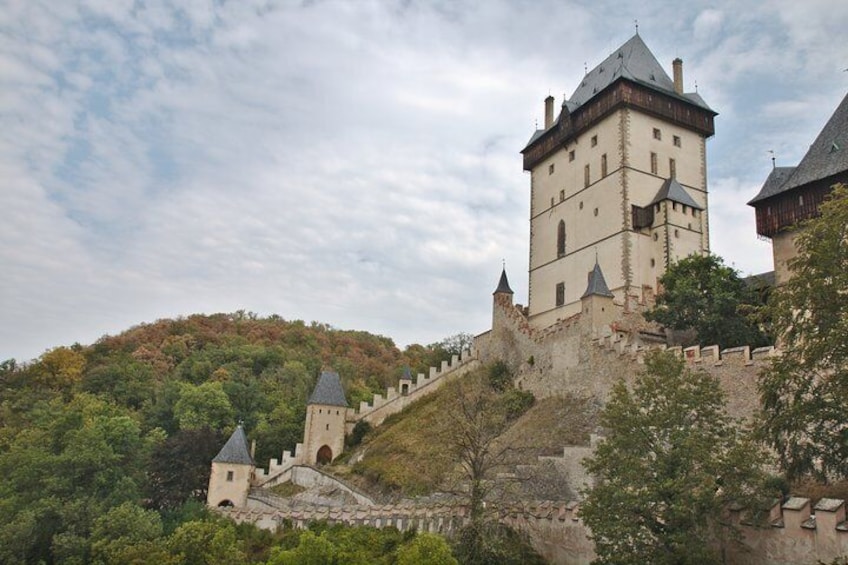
[325,455]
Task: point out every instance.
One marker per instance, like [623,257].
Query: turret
[326,411]
[232,472]
[502,298]
[598,310]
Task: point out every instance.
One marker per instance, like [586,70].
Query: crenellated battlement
[408,391]
[796,531]
[435,518]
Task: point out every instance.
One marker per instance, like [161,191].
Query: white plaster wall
[220,489]
[325,425]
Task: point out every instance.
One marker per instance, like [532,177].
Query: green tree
[128,534]
[206,405]
[484,405]
[426,549]
[804,392]
[206,542]
[701,293]
[179,467]
[671,464]
[311,550]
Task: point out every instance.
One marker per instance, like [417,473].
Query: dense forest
[105,449]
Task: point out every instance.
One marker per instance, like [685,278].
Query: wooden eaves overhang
[621,93]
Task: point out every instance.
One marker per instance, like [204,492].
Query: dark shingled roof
[761,280]
[672,190]
[633,61]
[503,284]
[775,181]
[597,284]
[827,156]
[328,391]
[235,450]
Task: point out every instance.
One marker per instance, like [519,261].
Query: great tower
[618,178]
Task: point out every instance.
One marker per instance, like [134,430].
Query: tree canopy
[671,463]
[805,391]
[701,293]
[105,449]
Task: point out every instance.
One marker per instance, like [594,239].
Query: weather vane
[773,164]
[636,23]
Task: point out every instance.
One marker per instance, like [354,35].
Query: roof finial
[596,255]
[696,86]
[773,164]
[585,68]
[636,23]
[503,264]
[536,123]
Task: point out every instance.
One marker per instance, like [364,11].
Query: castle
[618,192]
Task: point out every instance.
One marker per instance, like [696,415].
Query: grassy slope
[407,456]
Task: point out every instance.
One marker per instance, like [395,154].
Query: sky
[350,162]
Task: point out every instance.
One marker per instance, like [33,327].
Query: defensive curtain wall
[380,408]
[795,533]
[577,357]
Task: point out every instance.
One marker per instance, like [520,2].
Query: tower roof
[235,450]
[632,61]
[328,391]
[674,191]
[827,156]
[503,284]
[597,284]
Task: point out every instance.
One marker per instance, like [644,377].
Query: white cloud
[353,163]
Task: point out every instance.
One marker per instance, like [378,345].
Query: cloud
[352,163]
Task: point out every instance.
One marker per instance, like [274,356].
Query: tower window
[229,476]
[586,176]
[676,233]
[676,140]
[594,140]
[603,165]
[551,169]
[552,201]
[657,133]
[561,195]
[596,211]
[653,163]
[561,238]
[672,168]
[653,262]
[571,155]
[560,294]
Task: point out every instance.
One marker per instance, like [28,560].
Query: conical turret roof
[597,284]
[328,391]
[503,284]
[235,450]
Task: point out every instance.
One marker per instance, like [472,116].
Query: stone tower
[323,438]
[618,178]
[232,471]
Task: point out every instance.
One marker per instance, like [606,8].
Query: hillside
[411,453]
[129,424]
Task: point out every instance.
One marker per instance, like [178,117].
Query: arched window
[561,239]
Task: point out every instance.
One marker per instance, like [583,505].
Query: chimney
[549,111]
[677,66]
